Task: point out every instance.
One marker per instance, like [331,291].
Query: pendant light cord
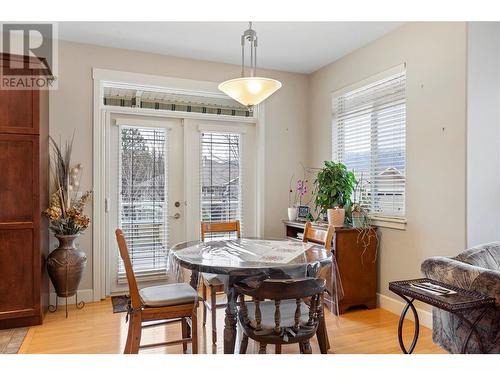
[251,36]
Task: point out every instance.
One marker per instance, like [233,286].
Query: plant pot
[292,213]
[65,266]
[357,220]
[336,216]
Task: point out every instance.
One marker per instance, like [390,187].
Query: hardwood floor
[95,329]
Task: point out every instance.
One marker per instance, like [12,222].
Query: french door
[164,176]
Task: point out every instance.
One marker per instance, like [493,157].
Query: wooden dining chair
[162,304]
[211,281]
[322,237]
[319,236]
[285,311]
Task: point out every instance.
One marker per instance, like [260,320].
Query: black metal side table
[458,304]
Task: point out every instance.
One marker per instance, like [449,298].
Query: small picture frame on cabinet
[302,212]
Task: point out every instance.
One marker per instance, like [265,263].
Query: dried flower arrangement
[65,212]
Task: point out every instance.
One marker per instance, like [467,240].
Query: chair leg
[194,333]
[135,331]
[322,336]
[213,312]
[262,348]
[204,295]
[126,350]
[184,334]
[307,347]
[301,348]
[277,349]
[244,344]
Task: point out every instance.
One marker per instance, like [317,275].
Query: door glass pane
[220,170]
[143,198]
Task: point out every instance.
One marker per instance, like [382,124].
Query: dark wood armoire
[24,164]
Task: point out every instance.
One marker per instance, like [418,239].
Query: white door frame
[101,142]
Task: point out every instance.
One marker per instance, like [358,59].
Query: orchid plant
[301,189]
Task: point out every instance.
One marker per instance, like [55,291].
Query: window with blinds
[143,199]
[369,137]
[220,176]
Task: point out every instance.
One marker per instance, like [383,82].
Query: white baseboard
[396,307]
[85,295]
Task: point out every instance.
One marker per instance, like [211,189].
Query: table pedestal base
[230,321]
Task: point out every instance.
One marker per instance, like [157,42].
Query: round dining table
[246,258]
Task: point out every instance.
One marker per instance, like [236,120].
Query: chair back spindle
[298,313]
[244,309]
[258,315]
[277,317]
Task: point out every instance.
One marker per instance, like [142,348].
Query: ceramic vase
[65,266]
[336,216]
[357,220]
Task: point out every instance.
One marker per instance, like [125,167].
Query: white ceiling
[301,47]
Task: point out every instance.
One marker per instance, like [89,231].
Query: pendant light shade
[249,90]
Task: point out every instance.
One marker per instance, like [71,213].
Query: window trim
[389,222]
[384,221]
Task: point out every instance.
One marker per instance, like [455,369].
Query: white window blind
[369,137]
[220,176]
[143,199]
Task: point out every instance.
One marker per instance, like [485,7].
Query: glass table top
[249,255]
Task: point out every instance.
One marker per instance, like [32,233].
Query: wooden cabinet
[23,195]
[355,251]
[19,111]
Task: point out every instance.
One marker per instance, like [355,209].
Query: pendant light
[249,90]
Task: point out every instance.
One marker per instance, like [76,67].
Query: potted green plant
[334,186]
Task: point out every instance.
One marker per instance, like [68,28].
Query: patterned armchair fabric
[476,269]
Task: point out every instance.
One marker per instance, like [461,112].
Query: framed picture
[302,212]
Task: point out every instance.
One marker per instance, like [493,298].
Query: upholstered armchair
[475,269]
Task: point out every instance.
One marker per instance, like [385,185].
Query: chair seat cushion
[287,312]
[168,295]
[212,279]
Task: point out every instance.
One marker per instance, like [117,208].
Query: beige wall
[298,119]
[435,54]
[483,132]
[71,109]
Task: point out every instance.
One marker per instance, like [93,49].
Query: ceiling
[301,47]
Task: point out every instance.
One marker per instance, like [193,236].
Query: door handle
[176,216]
